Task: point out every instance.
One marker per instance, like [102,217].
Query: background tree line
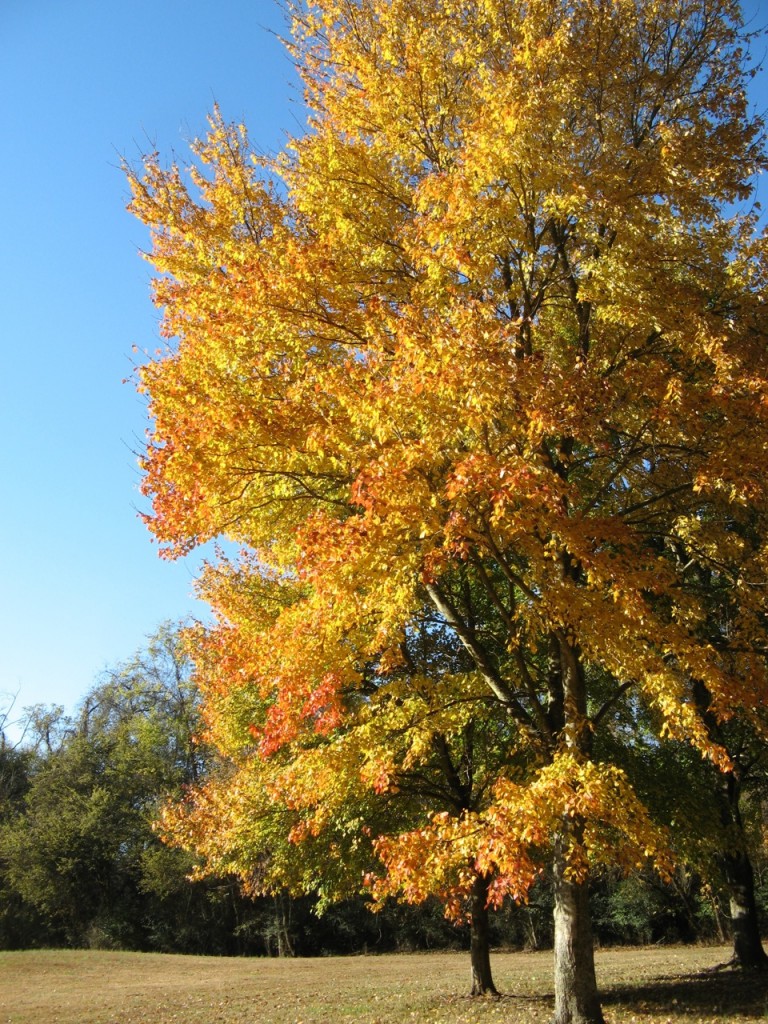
[81,863]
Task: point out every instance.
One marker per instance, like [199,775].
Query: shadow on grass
[710,995]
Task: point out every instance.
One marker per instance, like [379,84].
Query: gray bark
[576,996]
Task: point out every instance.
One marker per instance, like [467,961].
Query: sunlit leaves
[480,358]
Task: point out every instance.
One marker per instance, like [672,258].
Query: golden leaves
[510,839]
[485,333]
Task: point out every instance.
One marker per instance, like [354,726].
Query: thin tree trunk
[283,925]
[533,938]
[576,996]
[748,949]
[480,952]
[719,916]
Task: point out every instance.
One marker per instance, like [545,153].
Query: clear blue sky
[83,82]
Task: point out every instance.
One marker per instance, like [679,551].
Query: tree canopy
[489,338]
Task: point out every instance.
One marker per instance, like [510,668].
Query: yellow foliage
[485,342]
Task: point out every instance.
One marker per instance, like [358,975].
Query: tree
[17,921]
[77,847]
[746,752]
[418,755]
[743,741]
[705,811]
[489,320]
[15,764]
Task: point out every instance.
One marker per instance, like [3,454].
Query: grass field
[640,986]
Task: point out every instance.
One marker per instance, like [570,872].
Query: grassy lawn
[641,986]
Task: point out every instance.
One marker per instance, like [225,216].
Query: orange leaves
[474,373]
[614,826]
[509,841]
[436,860]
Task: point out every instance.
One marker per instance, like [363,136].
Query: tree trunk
[283,925]
[480,953]
[748,950]
[576,996]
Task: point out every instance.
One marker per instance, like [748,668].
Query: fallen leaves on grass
[640,986]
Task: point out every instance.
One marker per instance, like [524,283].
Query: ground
[659,985]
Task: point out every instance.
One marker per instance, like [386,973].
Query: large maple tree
[488,338]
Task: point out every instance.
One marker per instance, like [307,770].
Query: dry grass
[641,986]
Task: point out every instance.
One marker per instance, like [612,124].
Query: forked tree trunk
[748,949]
[479,942]
[576,996]
[283,925]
